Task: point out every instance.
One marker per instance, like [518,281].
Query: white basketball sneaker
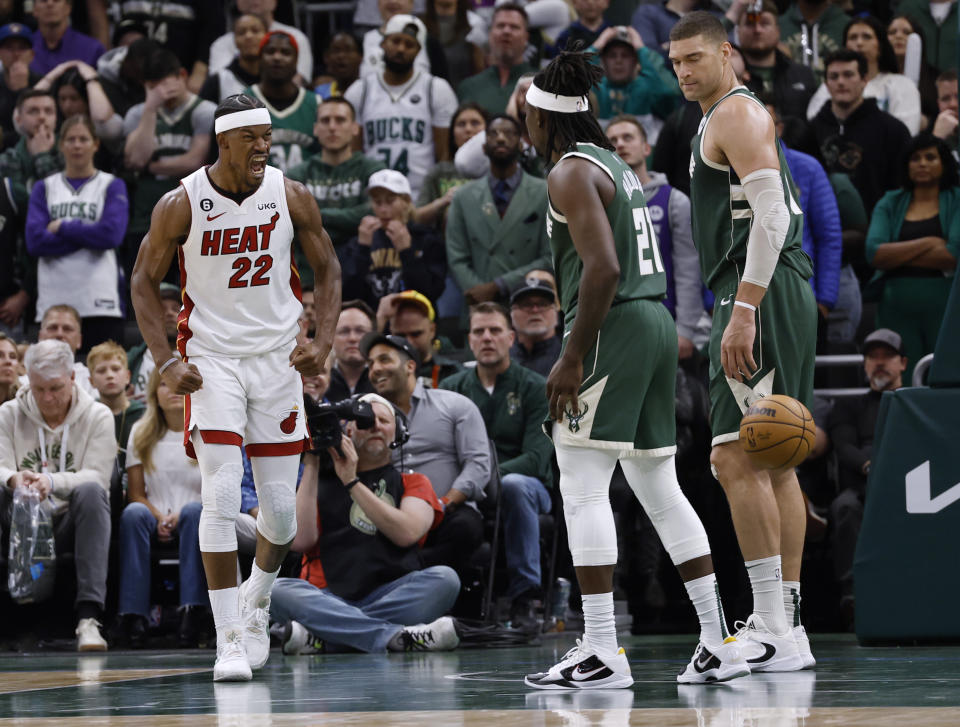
[803,644]
[765,650]
[583,668]
[232,664]
[721,664]
[256,629]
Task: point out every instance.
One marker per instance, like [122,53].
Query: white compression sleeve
[771,220]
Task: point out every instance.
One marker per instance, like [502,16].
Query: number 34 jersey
[641,269]
[241,288]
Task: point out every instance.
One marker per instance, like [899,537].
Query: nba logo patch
[288,420]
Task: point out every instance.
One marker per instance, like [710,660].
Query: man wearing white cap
[232,226]
[404,113]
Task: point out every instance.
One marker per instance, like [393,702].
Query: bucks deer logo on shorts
[288,420]
[574,419]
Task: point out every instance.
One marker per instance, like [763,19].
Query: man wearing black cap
[533,313]
[16,53]
[448,443]
[851,431]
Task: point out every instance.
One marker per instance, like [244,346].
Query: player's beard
[397,67]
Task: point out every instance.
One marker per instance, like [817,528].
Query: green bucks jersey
[292,128]
[641,269]
[722,216]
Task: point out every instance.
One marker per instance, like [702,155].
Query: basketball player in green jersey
[611,393]
[747,227]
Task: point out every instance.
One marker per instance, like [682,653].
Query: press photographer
[361,585]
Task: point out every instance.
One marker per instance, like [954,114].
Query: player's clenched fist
[308,358]
[182,378]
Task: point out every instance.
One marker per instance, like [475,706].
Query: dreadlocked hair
[571,73]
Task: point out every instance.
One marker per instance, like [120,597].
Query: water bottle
[561,596]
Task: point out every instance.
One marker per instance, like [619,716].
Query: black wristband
[349,485]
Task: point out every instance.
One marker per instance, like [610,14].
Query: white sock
[599,625]
[225,604]
[705,597]
[259,584]
[791,602]
[767,584]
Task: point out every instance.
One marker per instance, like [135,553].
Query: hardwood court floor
[877,687]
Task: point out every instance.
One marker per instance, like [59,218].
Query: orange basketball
[777,432]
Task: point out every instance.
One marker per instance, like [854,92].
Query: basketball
[777,432]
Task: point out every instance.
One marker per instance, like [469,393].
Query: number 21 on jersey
[649,262]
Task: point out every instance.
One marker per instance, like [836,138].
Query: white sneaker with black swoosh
[765,650]
[721,664]
[583,668]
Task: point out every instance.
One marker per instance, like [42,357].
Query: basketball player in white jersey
[232,226]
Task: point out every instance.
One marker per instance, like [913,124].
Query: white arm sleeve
[764,191]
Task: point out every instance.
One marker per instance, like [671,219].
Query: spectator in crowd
[61,322]
[937,20]
[17,271]
[307,320]
[56,41]
[450,22]
[913,244]
[187,28]
[513,402]
[225,50]
[671,155]
[168,137]
[854,136]
[362,584]
[811,30]
[508,42]
[895,93]
[342,59]
[110,376]
[139,358]
[853,230]
[16,53]
[243,70]
[899,29]
[121,73]
[635,81]
[444,179]
[945,123]
[670,214]
[76,221]
[447,443]
[772,71]
[349,375]
[399,98]
[410,314]
[76,86]
[587,27]
[496,231]
[163,491]
[430,57]
[35,155]
[293,109]
[653,22]
[9,362]
[56,439]
[534,315]
[390,253]
[337,177]
[851,429]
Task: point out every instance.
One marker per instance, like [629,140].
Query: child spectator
[110,376]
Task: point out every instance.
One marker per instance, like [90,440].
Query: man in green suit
[496,231]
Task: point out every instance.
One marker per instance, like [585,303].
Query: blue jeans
[850,302]
[137,529]
[368,624]
[524,498]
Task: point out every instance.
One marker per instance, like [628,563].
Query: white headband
[247,117]
[555,102]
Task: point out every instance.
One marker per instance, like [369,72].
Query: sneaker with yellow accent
[719,664]
[584,668]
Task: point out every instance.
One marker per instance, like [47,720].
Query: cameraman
[361,585]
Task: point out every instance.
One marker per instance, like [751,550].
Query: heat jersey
[241,289]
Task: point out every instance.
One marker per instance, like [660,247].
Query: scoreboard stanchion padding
[945,369]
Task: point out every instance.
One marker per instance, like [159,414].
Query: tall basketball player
[611,393]
[747,228]
[232,227]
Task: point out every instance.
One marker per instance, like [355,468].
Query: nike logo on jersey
[726,301]
[769,651]
[211,218]
[705,661]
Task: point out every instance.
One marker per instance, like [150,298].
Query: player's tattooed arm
[169,225]
[308,358]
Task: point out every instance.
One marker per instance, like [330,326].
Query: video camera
[323,421]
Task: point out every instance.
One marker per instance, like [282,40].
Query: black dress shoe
[195,627]
[133,630]
[523,612]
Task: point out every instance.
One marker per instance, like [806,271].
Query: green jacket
[513,414]
[23,169]
[939,41]
[485,89]
[482,247]
[829,34]
[653,91]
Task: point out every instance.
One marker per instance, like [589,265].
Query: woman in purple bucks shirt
[76,220]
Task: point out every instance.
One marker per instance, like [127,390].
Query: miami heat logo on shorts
[288,420]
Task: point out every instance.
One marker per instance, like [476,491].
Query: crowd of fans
[407,126]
